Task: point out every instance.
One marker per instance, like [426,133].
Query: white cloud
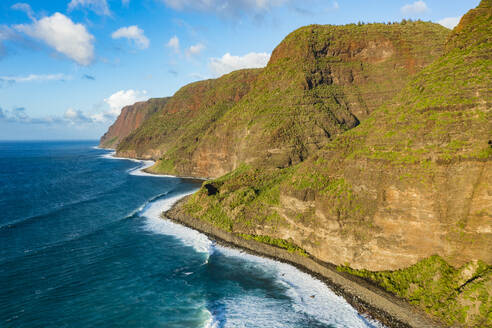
[100,118]
[70,117]
[229,63]
[132,33]
[173,43]
[20,115]
[123,98]
[76,116]
[336,5]
[449,22]
[224,7]
[25,8]
[125,2]
[59,32]
[418,7]
[15,115]
[195,49]
[35,77]
[100,7]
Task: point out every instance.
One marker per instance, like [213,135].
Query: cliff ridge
[366,146]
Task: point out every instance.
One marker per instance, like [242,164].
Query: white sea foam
[139,170]
[146,164]
[153,210]
[325,306]
[247,310]
[154,223]
[109,155]
[310,296]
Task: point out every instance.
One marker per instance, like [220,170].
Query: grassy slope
[187,115]
[456,295]
[109,143]
[449,104]
[442,116]
[445,111]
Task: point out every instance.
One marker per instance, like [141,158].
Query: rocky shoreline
[362,295]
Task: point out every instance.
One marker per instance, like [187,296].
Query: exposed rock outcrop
[320,82]
[130,119]
[412,180]
[175,135]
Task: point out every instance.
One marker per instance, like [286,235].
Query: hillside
[130,118]
[414,179]
[176,131]
[365,146]
[320,82]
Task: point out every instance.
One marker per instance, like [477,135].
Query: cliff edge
[130,119]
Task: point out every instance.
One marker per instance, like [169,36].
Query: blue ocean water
[82,245]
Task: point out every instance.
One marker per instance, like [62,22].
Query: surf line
[326,306]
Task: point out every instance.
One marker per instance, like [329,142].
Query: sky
[67,67]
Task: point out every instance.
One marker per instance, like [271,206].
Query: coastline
[365,297]
[147,163]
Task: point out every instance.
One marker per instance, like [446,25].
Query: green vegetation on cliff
[455,295]
[320,82]
[281,243]
[444,112]
[230,203]
[370,187]
[366,145]
[405,141]
[173,133]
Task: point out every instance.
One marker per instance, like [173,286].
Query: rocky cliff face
[130,119]
[175,135]
[320,82]
[368,146]
[412,180]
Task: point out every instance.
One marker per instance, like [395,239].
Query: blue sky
[68,66]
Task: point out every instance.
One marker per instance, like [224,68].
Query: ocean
[82,244]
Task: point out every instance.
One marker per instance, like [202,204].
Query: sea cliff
[361,294]
[321,81]
[130,119]
[367,146]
